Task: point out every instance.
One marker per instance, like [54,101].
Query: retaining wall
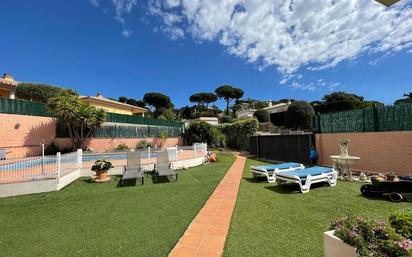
[22,135]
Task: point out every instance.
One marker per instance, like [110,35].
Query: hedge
[238,133]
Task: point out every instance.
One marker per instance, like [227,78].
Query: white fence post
[79,158]
[194,149]
[148,152]
[58,165]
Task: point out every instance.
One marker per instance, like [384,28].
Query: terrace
[178,219]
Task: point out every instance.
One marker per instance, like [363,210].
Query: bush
[261,115]
[37,92]
[202,132]
[238,134]
[51,149]
[225,119]
[122,147]
[300,116]
[143,144]
[371,237]
[401,221]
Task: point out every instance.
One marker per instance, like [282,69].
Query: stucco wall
[379,151]
[22,135]
[105,144]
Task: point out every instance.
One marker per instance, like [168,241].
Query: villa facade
[112,106]
[7,86]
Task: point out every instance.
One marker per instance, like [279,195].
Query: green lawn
[87,219]
[271,220]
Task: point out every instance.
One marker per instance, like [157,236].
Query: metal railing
[14,170]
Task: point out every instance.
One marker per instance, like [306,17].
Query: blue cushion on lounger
[313,171]
[281,166]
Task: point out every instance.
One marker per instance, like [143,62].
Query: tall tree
[407,99]
[159,102]
[131,101]
[122,99]
[300,115]
[79,119]
[229,93]
[340,101]
[203,99]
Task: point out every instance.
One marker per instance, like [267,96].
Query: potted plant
[356,236]
[163,137]
[101,167]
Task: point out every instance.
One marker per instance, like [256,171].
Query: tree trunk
[71,135]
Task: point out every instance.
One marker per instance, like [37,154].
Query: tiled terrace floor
[206,235]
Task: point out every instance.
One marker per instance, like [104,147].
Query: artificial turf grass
[278,221]
[87,219]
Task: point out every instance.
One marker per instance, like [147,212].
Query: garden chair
[133,168]
[163,167]
[270,171]
[306,177]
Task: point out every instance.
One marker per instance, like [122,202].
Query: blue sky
[129,47]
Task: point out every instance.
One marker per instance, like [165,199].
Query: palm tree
[79,119]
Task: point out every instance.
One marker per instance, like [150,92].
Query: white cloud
[121,8]
[314,85]
[291,34]
[95,3]
[126,33]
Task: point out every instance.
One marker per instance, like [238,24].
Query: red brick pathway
[206,235]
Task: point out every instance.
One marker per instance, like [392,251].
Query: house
[112,106]
[277,113]
[244,111]
[211,120]
[7,86]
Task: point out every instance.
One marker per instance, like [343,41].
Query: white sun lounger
[163,167]
[306,177]
[133,168]
[269,171]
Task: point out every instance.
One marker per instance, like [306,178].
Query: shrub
[163,135]
[51,149]
[122,147]
[143,144]
[401,221]
[37,92]
[371,237]
[261,115]
[225,119]
[238,134]
[300,115]
[202,132]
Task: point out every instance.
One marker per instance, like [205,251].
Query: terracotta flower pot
[213,157]
[101,175]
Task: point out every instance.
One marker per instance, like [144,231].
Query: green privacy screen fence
[120,118]
[126,131]
[12,106]
[377,119]
[22,107]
